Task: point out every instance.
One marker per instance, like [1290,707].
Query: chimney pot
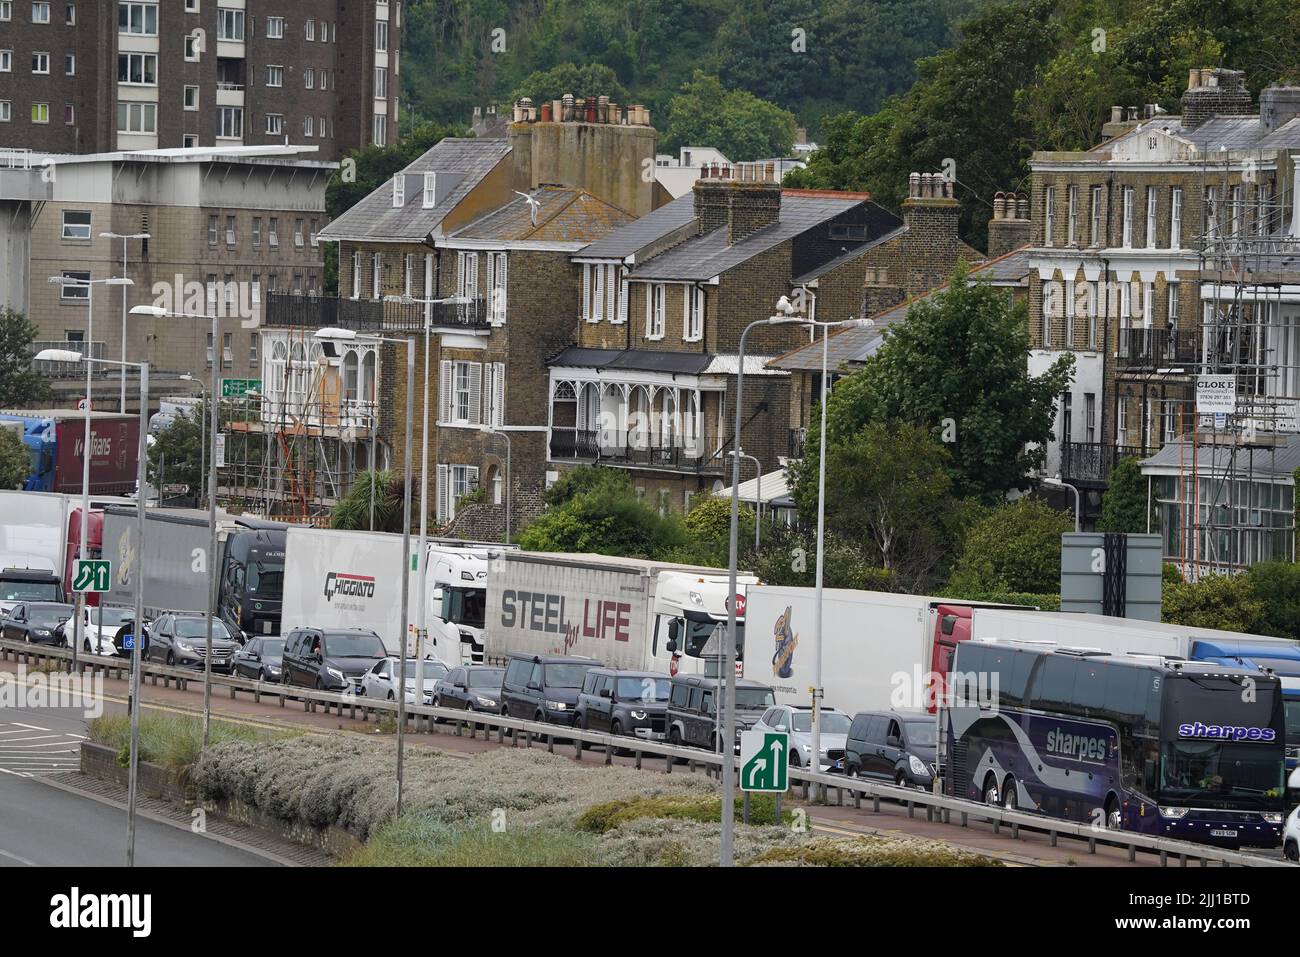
[914,184]
[1117,114]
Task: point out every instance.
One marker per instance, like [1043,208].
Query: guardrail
[816,786]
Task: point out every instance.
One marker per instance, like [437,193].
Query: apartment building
[1140,252]
[98,77]
[650,384]
[224,226]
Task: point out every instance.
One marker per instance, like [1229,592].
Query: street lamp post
[351,335]
[138,622]
[758,492]
[499,430]
[1055,482]
[125,239]
[214,566]
[79,629]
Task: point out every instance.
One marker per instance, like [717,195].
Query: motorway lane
[37,741]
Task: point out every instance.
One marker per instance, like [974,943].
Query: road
[44,825]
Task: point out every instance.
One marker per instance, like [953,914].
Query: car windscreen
[832,722]
[1198,770]
[486,679]
[28,591]
[354,646]
[565,675]
[198,628]
[754,699]
[266,578]
[432,669]
[110,616]
[643,689]
[920,734]
[466,606]
[273,647]
[50,617]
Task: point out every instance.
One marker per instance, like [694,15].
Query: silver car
[796,721]
[381,680]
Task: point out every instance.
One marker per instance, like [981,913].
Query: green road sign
[92,575]
[764,761]
[239,388]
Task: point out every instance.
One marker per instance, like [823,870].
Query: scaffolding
[1233,507]
[296,446]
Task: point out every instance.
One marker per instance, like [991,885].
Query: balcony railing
[1090,463]
[619,448]
[294,310]
[94,350]
[1150,348]
[798,441]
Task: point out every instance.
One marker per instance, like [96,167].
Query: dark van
[693,709]
[543,687]
[897,746]
[624,702]
[330,659]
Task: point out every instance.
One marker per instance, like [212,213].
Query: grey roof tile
[641,232]
[1280,461]
[564,215]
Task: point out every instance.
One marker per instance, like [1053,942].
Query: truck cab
[19,585]
[252,578]
[691,614]
[456,603]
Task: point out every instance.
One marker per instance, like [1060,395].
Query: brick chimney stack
[742,206]
[1214,92]
[931,214]
[1010,228]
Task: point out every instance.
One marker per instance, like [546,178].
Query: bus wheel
[1009,793]
[991,791]
[1113,821]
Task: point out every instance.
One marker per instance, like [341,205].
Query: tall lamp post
[422,565]
[788,317]
[758,492]
[214,566]
[61,355]
[1055,482]
[125,237]
[350,335]
[87,437]
[500,430]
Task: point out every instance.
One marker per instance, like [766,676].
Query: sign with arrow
[765,761]
[92,575]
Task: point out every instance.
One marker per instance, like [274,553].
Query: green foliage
[1277,586]
[957,368]
[787,556]
[178,453]
[1044,602]
[608,520]
[708,531]
[423,841]
[871,852]
[174,741]
[21,387]
[591,80]
[1015,547]
[584,479]
[1228,602]
[600,818]
[1124,504]
[353,510]
[743,127]
[1170,575]
[15,460]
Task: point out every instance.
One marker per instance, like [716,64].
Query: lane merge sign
[765,761]
[92,575]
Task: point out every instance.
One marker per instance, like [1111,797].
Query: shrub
[422,841]
[608,815]
[1228,602]
[872,852]
[1014,548]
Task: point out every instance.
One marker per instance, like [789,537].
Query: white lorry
[33,539]
[880,650]
[352,579]
[624,612]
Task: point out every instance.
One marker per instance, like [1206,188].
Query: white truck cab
[695,609]
[456,585]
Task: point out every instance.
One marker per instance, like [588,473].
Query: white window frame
[1151,217]
[656,298]
[6,61]
[6,111]
[1171,303]
[1069,314]
[190,105]
[381,36]
[693,310]
[1049,214]
[275,75]
[381,83]
[77,231]
[1095,227]
[140,111]
[38,70]
[309,78]
[498,285]
[1121,420]
[467,275]
[233,113]
[275,28]
[399,191]
[144,60]
[356,274]
[1049,292]
[1072,214]
[6,11]
[1126,232]
[41,113]
[137,27]
[376,274]
[1176,218]
[40,13]
[430,190]
[275,124]
[231,23]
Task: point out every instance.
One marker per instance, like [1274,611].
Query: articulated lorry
[624,612]
[352,579]
[176,569]
[33,535]
[1122,636]
[880,650]
[54,440]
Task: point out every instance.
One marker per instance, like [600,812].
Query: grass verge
[422,841]
[603,817]
[174,741]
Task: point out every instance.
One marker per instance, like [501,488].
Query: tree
[1015,547]
[1124,504]
[1227,602]
[587,478]
[743,127]
[21,386]
[893,495]
[15,460]
[957,367]
[353,510]
[366,169]
[1277,586]
[708,531]
[607,521]
[590,80]
[177,454]
[788,557]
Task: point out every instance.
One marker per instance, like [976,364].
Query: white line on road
[20,860]
[30,727]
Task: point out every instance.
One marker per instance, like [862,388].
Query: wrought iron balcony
[1090,463]
[297,311]
[618,448]
[1152,348]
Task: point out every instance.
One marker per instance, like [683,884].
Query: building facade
[96,76]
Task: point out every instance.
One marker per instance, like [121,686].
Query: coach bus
[1184,749]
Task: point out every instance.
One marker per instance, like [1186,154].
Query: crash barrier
[814,786]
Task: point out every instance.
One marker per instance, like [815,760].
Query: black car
[625,702]
[37,622]
[330,659]
[897,746]
[543,687]
[260,659]
[693,709]
[178,638]
[471,688]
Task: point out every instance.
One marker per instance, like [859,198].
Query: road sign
[765,761]
[92,575]
[128,642]
[239,388]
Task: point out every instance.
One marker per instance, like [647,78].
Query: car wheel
[320,685]
[171,660]
[794,760]
[900,780]
[582,725]
[1009,800]
[88,651]
[991,791]
[1292,851]
[391,696]
[616,728]
[261,675]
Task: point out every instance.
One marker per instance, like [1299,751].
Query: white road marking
[30,727]
[20,860]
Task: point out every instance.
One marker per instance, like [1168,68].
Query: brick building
[96,76]
[225,227]
[1122,237]
[650,383]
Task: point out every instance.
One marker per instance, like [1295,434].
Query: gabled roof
[856,344]
[630,239]
[375,218]
[564,215]
[848,256]
[709,255]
